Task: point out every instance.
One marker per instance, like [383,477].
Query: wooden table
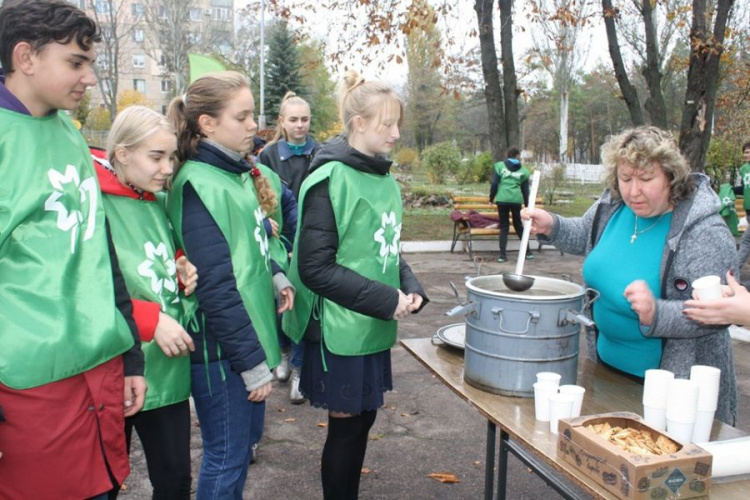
[531,440]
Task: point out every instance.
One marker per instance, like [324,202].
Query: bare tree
[510,81]
[117,24]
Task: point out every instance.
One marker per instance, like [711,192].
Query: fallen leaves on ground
[289,420]
[280,409]
[322,424]
[365,470]
[124,487]
[477,462]
[375,436]
[409,414]
[444,477]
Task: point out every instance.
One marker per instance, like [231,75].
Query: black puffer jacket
[293,169]
[319,236]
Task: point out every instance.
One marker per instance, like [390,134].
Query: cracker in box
[632,460]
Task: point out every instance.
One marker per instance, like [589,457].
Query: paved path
[423,427]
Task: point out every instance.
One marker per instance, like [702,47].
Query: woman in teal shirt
[654,231]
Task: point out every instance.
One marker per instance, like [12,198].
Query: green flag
[200,65]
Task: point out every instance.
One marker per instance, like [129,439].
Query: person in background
[744,191]
[289,155]
[653,231]
[217,205]
[141,152]
[71,365]
[510,188]
[353,286]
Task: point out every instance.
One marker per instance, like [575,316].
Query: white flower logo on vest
[727,202]
[159,283]
[746,179]
[66,185]
[388,220]
[260,234]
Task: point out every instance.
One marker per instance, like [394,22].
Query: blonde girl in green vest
[141,150]
[217,205]
[352,284]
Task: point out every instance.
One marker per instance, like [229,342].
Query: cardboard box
[683,474]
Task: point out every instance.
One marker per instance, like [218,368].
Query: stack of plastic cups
[708,378]
[682,406]
[577,392]
[655,389]
[546,386]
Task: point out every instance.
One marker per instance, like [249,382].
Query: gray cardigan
[698,244]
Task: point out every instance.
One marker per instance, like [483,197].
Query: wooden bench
[462,229]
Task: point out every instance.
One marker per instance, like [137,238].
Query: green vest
[727,209]
[145,250]
[278,250]
[509,190]
[233,204]
[59,316]
[745,174]
[367,208]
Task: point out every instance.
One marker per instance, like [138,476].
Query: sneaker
[500,260]
[254,456]
[282,371]
[529,256]
[295,397]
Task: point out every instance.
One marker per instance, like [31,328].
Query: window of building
[221,14]
[81,4]
[139,85]
[139,61]
[106,85]
[138,35]
[166,86]
[163,13]
[107,32]
[194,37]
[137,9]
[102,7]
[196,14]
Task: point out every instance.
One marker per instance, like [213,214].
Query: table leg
[502,466]
[489,465]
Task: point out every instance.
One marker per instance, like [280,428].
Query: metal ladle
[517,281]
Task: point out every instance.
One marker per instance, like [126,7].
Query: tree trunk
[510,82]
[492,92]
[657,109]
[702,82]
[564,101]
[629,92]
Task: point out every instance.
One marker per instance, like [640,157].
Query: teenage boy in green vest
[510,188]
[71,368]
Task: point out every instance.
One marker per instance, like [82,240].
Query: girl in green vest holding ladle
[141,151]
[352,284]
[217,204]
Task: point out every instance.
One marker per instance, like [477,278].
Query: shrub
[440,160]
[553,179]
[723,158]
[406,159]
[98,119]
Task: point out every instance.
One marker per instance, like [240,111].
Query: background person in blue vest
[510,188]
[217,204]
[654,230]
[353,286]
[71,366]
[141,148]
[289,155]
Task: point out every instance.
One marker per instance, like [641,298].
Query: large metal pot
[511,336]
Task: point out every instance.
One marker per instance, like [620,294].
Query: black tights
[344,454]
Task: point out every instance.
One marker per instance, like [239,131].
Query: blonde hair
[645,147]
[208,95]
[370,100]
[289,98]
[132,126]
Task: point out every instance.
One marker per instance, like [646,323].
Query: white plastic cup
[655,417]
[707,287]
[680,431]
[577,392]
[560,406]
[656,388]
[682,401]
[542,394]
[704,421]
[709,380]
[548,378]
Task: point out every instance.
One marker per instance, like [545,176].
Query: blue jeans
[230,425]
[298,349]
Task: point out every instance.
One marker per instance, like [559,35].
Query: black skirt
[351,384]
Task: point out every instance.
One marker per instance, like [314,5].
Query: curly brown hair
[646,148]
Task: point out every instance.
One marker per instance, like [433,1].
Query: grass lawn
[422,224]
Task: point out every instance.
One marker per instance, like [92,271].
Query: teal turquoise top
[612,265]
[297,149]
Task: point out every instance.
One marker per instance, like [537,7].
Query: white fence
[578,172]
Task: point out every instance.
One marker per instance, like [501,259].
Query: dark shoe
[501,260]
[529,256]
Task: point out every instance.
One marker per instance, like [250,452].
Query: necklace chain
[637,233]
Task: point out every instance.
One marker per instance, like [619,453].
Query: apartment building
[141,38]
